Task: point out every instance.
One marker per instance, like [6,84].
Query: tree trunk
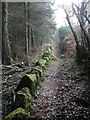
[78,47]
[26,26]
[32,38]
[82,29]
[74,34]
[6,50]
[29,30]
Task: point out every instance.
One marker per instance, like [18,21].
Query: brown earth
[65,93]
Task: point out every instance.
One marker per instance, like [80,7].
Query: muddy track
[63,95]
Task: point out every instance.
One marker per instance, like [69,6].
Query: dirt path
[47,98]
[63,94]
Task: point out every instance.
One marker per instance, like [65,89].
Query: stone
[46,54]
[49,49]
[41,63]
[52,57]
[24,99]
[39,70]
[28,80]
[18,114]
[46,58]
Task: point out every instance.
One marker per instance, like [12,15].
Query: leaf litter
[65,94]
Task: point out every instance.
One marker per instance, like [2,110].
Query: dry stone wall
[27,87]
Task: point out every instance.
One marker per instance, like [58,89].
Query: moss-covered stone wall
[27,86]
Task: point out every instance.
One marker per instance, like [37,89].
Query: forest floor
[65,93]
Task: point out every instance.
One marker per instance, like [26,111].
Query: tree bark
[6,50]
[29,30]
[74,34]
[32,38]
[82,28]
[26,26]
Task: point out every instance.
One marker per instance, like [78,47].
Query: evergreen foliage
[63,31]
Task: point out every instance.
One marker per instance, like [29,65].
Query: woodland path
[63,93]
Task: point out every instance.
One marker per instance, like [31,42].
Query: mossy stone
[38,77]
[49,49]
[28,80]
[52,57]
[41,63]
[49,46]
[46,54]
[18,114]
[46,58]
[40,70]
[24,99]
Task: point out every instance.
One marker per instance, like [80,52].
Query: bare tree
[81,22]
[71,27]
[27,29]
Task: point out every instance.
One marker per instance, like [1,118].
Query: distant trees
[66,44]
[63,31]
[82,42]
[26,27]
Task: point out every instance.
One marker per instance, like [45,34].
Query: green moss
[18,114]
[24,99]
[40,70]
[37,72]
[52,57]
[46,54]
[41,63]
[28,80]
[46,58]
[38,77]
[33,79]
[49,49]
